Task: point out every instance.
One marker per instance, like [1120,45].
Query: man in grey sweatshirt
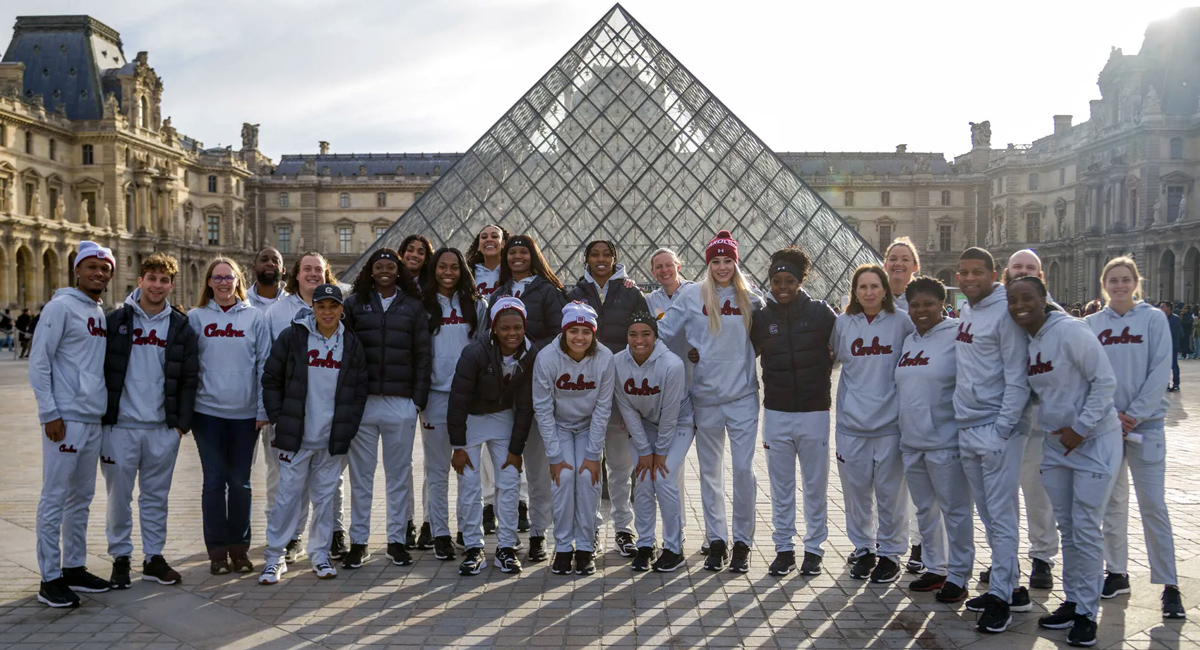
[66,371]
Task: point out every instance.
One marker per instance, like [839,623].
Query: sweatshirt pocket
[92,396]
[231,390]
[916,422]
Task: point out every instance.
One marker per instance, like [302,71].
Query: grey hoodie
[659,302]
[1071,374]
[259,302]
[1138,346]
[618,275]
[727,369]
[324,365]
[653,399]
[993,387]
[450,339]
[571,396]
[868,352]
[66,362]
[142,403]
[283,312]
[234,346]
[925,376]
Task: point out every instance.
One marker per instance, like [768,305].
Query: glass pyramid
[619,141]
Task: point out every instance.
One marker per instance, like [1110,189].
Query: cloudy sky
[433,75]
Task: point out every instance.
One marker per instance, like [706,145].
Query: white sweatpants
[435,441]
[1148,463]
[393,420]
[619,458]
[942,498]
[145,457]
[487,477]
[872,474]
[786,438]
[488,434]
[993,468]
[663,492]
[1039,514]
[737,420]
[313,471]
[271,458]
[68,485]
[535,476]
[576,499]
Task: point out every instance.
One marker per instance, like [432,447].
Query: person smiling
[1137,340]
[484,257]
[268,275]
[1070,372]
[417,253]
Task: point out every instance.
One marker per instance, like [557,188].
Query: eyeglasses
[223,279]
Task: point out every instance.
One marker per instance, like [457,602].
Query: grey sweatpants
[145,457]
[68,485]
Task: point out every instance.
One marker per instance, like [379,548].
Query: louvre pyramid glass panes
[619,141]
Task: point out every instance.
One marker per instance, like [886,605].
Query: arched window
[344,200]
[144,109]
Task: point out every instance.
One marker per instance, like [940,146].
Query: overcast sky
[433,75]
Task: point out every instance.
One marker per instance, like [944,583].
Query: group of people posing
[531,394]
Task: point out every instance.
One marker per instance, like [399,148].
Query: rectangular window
[1176,148]
[28,142]
[129,213]
[1033,182]
[88,154]
[214,230]
[379,230]
[283,199]
[885,198]
[381,200]
[212,184]
[945,234]
[849,199]
[53,150]
[3,135]
[53,200]
[1033,227]
[945,197]
[28,197]
[344,200]
[1062,177]
[885,236]
[285,239]
[344,239]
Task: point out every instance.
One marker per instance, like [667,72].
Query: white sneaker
[325,571]
[272,573]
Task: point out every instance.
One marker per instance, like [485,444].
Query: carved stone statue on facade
[362,170]
[929,244]
[60,208]
[35,210]
[1003,234]
[249,136]
[981,134]
[1062,229]
[106,214]
[987,239]
[309,168]
[1182,209]
[1156,210]
[83,212]
[1047,232]
[1152,104]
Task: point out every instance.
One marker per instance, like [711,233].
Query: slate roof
[809,164]
[65,61]
[347,164]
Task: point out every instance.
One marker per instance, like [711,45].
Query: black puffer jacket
[543,306]
[619,304]
[397,344]
[181,369]
[479,388]
[285,390]
[794,343]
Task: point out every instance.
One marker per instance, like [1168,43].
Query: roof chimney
[1062,124]
[901,148]
[324,147]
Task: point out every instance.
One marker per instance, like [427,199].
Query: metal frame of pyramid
[619,141]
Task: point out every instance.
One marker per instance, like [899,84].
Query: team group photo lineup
[557,407]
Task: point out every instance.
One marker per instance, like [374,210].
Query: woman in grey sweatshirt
[1137,339]
[572,402]
[1074,382]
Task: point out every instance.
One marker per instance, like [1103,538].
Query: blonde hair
[239,282]
[1128,263]
[912,248]
[708,294]
[854,306]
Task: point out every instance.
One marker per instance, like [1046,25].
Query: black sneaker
[120,573]
[294,551]
[626,544]
[489,520]
[399,554]
[1115,584]
[928,582]
[985,576]
[1061,619]
[473,561]
[157,570]
[740,562]
[585,564]
[522,517]
[854,556]
[1040,577]
[863,567]
[458,541]
[1083,632]
[668,561]
[951,593]
[357,556]
[241,563]
[338,546]
[996,617]
[886,571]
[783,564]
[425,539]
[410,535]
[1020,601]
[443,548]
[644,558]
[506,560]
[537,549]
[562,563]
[78,579]
[1172,603]
[915,565]
[704,548]
[56,594]
[219,566]
[811,566]
[977,604]
[718,555]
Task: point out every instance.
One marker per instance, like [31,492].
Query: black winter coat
[285,390]
[397,344]
[181,369]
[619,304]
[794,343]
[543,307]
[479,388]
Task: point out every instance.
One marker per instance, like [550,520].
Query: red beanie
[722,244]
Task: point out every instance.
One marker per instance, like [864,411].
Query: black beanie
[645,318]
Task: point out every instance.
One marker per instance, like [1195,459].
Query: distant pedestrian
[1176,325]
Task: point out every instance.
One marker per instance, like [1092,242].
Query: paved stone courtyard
[429,605]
